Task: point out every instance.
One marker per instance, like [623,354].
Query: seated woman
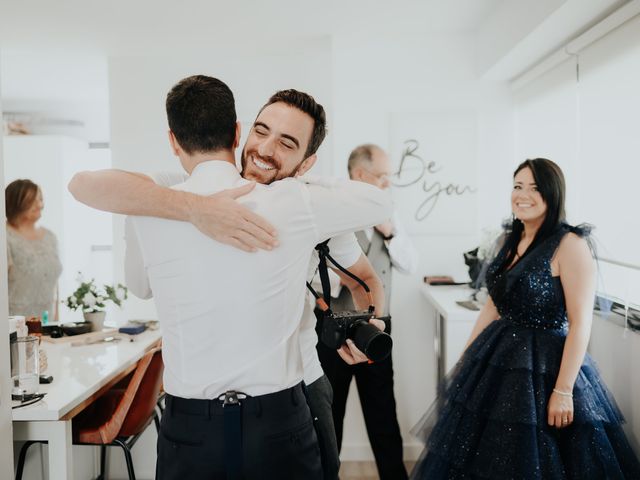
[32,253]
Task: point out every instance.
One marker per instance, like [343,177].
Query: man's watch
[387,237]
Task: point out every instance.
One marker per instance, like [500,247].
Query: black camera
[337,327]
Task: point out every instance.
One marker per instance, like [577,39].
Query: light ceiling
[120,27]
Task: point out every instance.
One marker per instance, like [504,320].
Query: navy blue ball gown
[490,418]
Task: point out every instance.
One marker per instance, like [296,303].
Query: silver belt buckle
[232,398]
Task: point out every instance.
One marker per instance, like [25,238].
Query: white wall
[623,382]
[54,92]
[375,77]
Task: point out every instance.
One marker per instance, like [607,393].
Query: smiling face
[276,146]
[527,203]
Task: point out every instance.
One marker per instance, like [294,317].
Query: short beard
[290,174]
[279,174]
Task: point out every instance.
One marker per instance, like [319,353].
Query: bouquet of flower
[90,299]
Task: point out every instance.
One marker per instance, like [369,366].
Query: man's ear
[173,142]
[356,173]
[306,164]
[236,141]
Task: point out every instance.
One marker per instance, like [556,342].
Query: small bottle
[45,317]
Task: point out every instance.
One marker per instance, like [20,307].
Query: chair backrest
[137,405]
[146,397]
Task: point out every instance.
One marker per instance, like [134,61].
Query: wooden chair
[118,417]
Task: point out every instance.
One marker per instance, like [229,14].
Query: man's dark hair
[202,114]
[307,104]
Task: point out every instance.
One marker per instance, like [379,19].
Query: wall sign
[433,158]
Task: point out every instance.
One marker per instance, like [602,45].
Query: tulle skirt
[490,417]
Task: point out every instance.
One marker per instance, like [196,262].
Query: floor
[363,470]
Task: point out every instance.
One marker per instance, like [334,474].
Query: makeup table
[80,375]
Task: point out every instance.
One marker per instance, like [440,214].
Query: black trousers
[375,388]
[320,397]
[278,439]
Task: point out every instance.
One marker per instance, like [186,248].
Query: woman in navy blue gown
[526,401]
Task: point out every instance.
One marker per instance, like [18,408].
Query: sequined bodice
[528,294]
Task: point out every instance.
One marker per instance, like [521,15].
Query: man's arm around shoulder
[218,216]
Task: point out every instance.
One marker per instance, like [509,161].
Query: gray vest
[377,253]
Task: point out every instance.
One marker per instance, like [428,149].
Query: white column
[6,446]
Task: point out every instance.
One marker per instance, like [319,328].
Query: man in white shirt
[346,251]
[386,246]
[247,339]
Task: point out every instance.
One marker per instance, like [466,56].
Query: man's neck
[189,162]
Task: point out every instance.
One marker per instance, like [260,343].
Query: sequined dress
[490,418]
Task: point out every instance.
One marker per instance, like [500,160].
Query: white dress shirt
[344,249]
[231,319]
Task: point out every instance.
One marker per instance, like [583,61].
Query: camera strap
[323,251]
[325,303]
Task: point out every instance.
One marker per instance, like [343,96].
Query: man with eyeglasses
[386,246]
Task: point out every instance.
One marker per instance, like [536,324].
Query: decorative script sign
[433,158]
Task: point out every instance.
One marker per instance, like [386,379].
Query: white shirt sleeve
[345,250]
[135,273]
[404,256]
[341,206]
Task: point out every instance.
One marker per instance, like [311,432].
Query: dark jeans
[320,396]
[278,439]
[375,388]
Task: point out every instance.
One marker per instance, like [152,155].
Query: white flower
[73,300]
[120,293]
[89,299]
[99,300]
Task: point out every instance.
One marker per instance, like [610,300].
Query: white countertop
[444,297]
[79,372]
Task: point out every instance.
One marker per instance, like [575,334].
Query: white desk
[453,323]
[80,375]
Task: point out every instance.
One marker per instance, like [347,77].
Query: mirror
[55,123]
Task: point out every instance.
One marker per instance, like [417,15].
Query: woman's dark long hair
[550,183]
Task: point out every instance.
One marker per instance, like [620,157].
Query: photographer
[386,246]
[346,251]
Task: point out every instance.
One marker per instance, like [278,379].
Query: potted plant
[92,300]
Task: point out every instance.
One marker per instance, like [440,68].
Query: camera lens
[375,344]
